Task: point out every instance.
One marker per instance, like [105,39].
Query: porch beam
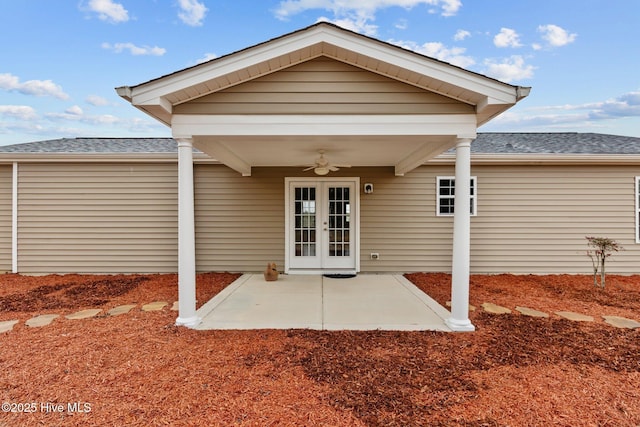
[460,264]
[326,125]
[224,154]
[186,237]
[426,152]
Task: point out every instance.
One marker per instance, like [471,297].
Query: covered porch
[324,89]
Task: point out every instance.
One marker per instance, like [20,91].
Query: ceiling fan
[322,165]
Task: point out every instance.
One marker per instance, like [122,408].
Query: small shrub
[600,248]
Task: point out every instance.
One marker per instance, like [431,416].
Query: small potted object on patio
[271,273]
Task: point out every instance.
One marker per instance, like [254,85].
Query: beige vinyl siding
[6,198]
[323,86]
[398,221]
[531,219]
[98,218]
[239,220]
[123,218]
[534,219]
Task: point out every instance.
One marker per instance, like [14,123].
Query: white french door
[322,225]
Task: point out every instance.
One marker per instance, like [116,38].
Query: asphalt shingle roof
[95,145]
[555,143]
[485,143]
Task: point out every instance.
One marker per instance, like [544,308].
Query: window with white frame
[637,209]
[446,186]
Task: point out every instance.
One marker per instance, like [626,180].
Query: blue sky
[61,60]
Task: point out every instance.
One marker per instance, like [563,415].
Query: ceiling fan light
[321,170]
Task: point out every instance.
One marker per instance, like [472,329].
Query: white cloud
[568,116]
[450,7]
[206,58]
[356,24]
[461,35]
[509,69]
[23,122]
[454,55]
[627,105]
[135,50]
[193,12]
[96,101]
[556,36]
[507,37]
[75,114]
[362,8]
[109,11]
[402,24]
[74,111]
[69,115]
[12,83]
[21,112]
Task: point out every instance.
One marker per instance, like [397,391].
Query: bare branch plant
[600,248]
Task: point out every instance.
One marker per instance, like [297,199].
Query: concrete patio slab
[385,302]
[291,302]
[364,302]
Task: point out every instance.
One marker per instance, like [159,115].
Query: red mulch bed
[140,369]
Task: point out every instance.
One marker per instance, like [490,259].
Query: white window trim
[14,219]
[637,204]
[474,196]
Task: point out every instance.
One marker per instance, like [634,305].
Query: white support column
[459,320]
[186,237]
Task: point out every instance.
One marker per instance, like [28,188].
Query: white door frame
[355,221]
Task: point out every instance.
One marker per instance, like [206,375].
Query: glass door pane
[305,218]
[339,205]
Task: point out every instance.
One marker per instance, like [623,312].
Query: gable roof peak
[157,97]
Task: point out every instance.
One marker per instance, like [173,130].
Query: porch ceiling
[402,152]
[402,141]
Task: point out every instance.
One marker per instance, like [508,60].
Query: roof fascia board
[96,157]
[494,90]
[158,88]
[543,159]
[187,126]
